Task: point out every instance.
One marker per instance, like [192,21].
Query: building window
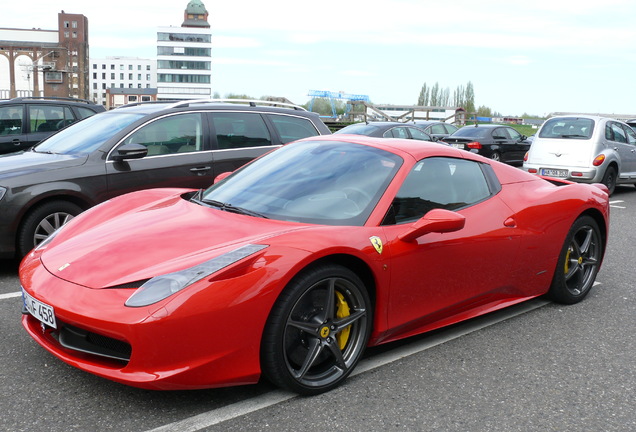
[138,85]
[147,67]
[94,66]
[66,23]
[104,86]
[139,77]
[147,77]
[130,85]
[112,67]
[121,67]
[145,98]
[130,67]
[112,76]
[94,86]
[130,76]
[104,75]
[121,76]
[138,67]
[53,77]
[74,34]
[66,34]
[132,98]
[94,75]
[104,66]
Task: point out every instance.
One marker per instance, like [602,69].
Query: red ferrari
[289,267]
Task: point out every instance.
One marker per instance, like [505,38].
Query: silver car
[584,148]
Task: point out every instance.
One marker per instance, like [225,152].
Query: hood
[29,162]
[100,249]
[561,152]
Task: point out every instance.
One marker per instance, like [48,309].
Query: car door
[619,140]
[397,132]
[503,144]
[178,156]
[451,272]
[518,145]
[237,138]
[13,135]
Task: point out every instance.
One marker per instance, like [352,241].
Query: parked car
[497,142]
[584,148]
[26,121]
[289,267]
[383,129]
[184,144]
[631,122]
[437,129]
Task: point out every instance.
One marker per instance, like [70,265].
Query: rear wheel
[578,263]
[42,222]
[317,330]
[496,156]
[609,179]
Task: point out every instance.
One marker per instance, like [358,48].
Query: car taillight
[474,145]
[525,157]
[532,170]
[598,160]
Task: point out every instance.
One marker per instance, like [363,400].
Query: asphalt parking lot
[535,367]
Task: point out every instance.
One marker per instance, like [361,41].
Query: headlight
[161,287]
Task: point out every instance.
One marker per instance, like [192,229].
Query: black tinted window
[236,130]
[439,182]
[10,120]
[292,128]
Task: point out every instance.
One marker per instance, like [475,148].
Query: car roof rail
[250,102]
[51,98]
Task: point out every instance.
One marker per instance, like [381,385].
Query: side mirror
[129,151]
[436,220]
[222,176]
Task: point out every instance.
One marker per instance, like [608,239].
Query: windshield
[87,135]
[472,132]
[570,127]
[322,182]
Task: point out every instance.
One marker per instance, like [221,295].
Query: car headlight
[161,287]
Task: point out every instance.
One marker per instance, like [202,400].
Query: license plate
[459,146]
[554,172]
[39,310]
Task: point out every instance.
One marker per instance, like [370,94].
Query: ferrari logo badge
[377,243]
[324,332]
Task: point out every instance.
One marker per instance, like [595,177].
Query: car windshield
[472,132]
[358,129]
[321,182]
[87,135]
[570,127]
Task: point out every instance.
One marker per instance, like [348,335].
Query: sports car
[289,267]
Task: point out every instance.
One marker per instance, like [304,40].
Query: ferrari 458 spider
[289,267]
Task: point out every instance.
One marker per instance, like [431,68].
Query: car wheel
[43,221]
[578,263]
[609,179]
[317,330]
[496,156]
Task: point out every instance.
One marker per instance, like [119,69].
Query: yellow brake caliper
[567,261]
[342,310]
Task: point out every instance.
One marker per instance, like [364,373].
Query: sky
[534,57]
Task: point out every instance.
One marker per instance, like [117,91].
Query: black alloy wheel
[578,263]
[609,179]
[317,330]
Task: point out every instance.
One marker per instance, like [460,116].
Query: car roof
[212,104]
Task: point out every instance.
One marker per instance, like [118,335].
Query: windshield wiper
[230,208]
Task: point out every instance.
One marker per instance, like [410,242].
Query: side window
[84,112]
[170,135]
[10,120]
[49,118]
[450,128]
[439,182]
[396,132]
[617,133]
[291,128]
[514,135]
[631,135]
[419,135]
[237,130]
[438,129]
[500,133]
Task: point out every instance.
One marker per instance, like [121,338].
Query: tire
[609,179]
[496,156]
[317,330]
[578,263]
[42,221]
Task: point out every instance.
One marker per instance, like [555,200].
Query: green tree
[424,96]
[469,98]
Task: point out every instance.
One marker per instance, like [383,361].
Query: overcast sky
[536,57]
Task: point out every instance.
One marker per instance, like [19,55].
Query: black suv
[25,122]
[183,144]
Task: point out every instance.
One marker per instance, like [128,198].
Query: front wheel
[578,263]
[42,222]
[317,330]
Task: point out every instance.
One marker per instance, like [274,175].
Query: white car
[586,149]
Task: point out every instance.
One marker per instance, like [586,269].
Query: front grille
[75,338]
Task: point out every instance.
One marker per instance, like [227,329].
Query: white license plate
[554,172]
[41,311]
[459,146]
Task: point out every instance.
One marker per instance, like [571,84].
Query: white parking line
[10,295]
[216,416]
[616,202]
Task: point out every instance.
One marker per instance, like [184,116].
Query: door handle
[16,141]
[200,170]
